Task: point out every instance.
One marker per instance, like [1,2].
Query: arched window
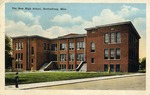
[106,38]
[118,37]
[92,47]
[112,35]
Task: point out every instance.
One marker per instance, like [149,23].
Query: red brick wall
[67,52]
[97,36]
[24,51]
[41,54]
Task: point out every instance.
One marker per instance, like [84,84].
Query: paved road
[126,83]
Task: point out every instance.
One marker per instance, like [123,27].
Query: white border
[71,92]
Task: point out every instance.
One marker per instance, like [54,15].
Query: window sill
[54,51]
[71,49]
[93,52]
[112,59]
[112,43]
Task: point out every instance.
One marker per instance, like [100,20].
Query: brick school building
[112,46]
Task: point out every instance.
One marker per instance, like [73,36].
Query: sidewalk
[44,84]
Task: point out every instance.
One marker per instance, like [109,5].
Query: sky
[57,19]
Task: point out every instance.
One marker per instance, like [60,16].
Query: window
[92,60]
[117,67]
[92,47]
[105,53]
[21,56]
[32,50]
[80,45]
[16,46]
[83,45]
[71,57]
[16,66]
[32,60]
[16,56]
[71,66]
[19,46]
[111,67]
[53,57]
[62,66]
[62,46]
[111,53]
[48,47]
[112,37]
[118,37]
[59,66]
[22,45]
[118,53]
[62,57]
[44,46]
[80,57]
[21,66]
[71,46]
[105,67]
[106,38]
[53,47]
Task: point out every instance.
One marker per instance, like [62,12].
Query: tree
[8,50]
[143,64]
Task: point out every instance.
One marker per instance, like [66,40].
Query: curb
[56,83]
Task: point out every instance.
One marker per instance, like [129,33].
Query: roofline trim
[25,36]
[113,24]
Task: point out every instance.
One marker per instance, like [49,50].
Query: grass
[25,78]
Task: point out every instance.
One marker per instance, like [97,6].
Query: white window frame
[106,38]
[118,37]
[92,47]
[112,53]
[71,57]
[112,38]
[71,46]
[62,57]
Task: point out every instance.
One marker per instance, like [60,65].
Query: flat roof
[71,35]
[25,36]
[115,24]
[106,25]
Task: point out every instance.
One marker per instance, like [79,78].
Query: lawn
[36,77]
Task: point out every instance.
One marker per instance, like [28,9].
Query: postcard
[74,47]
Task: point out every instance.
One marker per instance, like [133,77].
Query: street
[126,83]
